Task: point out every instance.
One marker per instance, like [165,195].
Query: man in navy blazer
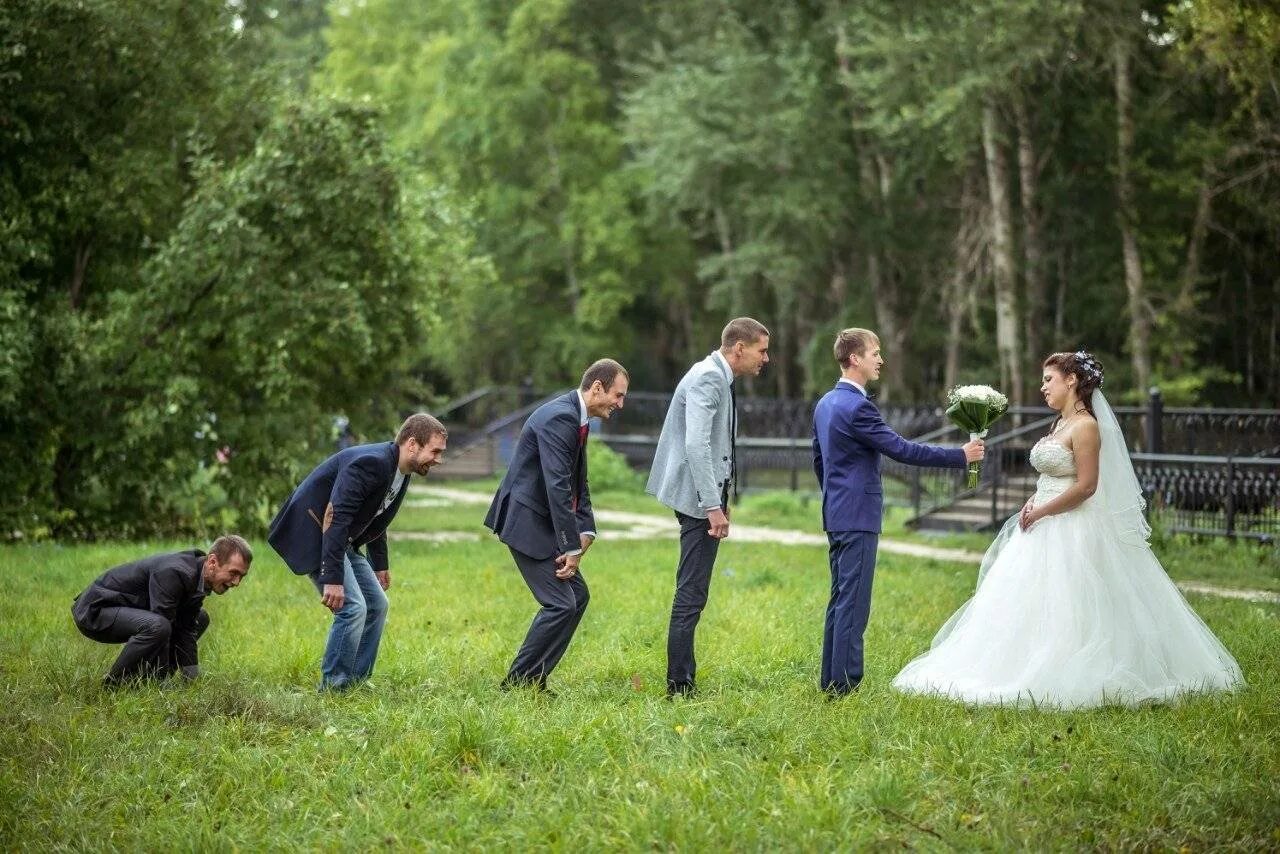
[344,505]
[849,437]
[542,512]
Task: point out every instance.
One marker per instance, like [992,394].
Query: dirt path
[645,526]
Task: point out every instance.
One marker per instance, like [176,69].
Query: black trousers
[563,604]
[151,649]
[698,551]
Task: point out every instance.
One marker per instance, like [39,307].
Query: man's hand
[567,566]
[333,597]
[384,578]
[974,450]
[718,523]
[585,542]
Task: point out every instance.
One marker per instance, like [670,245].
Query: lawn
[434,755]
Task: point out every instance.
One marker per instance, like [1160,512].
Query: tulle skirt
[1066,616]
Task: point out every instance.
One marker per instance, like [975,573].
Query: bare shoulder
[1084,433]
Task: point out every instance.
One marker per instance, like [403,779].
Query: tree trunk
[78,269]
[568,249]
[725,234]
[1139,312]
[881,285]
[1002,253]
[1195,241]
[1033,254]
[967,248]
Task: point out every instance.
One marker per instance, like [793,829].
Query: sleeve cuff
[573,553]
[591,534]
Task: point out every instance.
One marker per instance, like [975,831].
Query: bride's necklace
[1063,421]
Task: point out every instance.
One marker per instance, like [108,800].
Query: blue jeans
[352,647]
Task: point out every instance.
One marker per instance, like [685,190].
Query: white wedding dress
[1077,611]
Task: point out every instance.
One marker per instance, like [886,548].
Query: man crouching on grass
[153,607]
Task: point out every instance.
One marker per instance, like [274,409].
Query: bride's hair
[1084,367]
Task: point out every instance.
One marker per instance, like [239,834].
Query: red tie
[582,443]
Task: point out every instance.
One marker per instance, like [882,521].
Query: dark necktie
[733,437]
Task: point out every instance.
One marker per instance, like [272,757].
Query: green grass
[435,755]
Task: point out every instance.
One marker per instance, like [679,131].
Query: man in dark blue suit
[344,505]
[849,436]
[542,512]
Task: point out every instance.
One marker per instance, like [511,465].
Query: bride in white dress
[1072,609]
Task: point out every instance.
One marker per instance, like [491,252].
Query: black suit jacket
[165,584]
[533,511]
[336,507]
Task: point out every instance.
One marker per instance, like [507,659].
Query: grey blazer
[691,464]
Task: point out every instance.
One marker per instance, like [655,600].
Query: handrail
[470,397]
[1199,458]
[1038,424]
[942,432]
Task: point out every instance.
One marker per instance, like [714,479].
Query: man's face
[221,576]
[603,402]
[870,362]
[753,357]
[423,457]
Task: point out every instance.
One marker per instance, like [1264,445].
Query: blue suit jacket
[849,435]
[532,511]
[335,508]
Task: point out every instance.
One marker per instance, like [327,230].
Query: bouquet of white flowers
[974,408]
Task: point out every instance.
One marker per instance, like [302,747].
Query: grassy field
[434,755]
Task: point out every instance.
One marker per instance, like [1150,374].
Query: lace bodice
[1056,464]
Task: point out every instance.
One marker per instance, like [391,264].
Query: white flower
[977,394]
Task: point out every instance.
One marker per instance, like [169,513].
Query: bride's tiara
[1088,365]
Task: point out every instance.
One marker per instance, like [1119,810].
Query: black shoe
[836,692]
[681,689]
[512,683]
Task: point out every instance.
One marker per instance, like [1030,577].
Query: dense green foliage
[202,267]
[980,182]
[435,755]
[234,221]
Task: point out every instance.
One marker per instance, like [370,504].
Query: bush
[610,472]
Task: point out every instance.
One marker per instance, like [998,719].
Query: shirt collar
[724,363]
[200,576]
[855,385]
[582,408]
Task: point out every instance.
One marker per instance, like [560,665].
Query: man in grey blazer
[693,469]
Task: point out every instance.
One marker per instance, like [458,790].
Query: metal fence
[1223,480]
[1214,495]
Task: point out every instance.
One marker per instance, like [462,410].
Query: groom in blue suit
[849,437]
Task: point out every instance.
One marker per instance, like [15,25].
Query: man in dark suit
[344,505]
[542,512]
[154,607]
[849,436]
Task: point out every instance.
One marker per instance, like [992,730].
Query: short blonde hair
[853,342]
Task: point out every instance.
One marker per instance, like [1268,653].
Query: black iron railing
[1214,495]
